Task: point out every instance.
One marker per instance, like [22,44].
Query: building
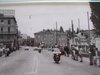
[8,28]
[84,38]
[7,12]
[26,40]
[90,35]
[51,37]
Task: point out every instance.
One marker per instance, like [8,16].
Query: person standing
[1,51]
[66,49]
[91,54]
[62,50]
[80,54]
[97,57]
[7,52]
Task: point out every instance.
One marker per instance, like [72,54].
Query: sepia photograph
[46,37]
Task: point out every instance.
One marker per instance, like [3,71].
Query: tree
[61,29]
[95,16]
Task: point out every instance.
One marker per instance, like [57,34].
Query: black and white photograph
[46,37]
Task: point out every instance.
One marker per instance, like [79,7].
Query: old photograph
[49,38]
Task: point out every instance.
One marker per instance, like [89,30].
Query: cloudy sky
[32,18]
[29,1]
[11,1]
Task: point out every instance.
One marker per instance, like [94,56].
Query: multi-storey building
[51,37]
[8,27]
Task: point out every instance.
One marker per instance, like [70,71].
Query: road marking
[35,68]
[37,63]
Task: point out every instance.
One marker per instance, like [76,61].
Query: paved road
[33,63]
[67,66]
[18,63]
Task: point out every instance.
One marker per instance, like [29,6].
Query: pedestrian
[76,49]
[66,49]
[62,50]
[3,48]
[77,52]
[97,57]
[91,54]
[1,51]
[80,54]
[7,52]
[73,52]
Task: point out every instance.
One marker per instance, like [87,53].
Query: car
[50,49]
[35,48]
[26,48]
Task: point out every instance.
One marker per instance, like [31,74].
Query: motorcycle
[56,58]
[56,55]
[39,50]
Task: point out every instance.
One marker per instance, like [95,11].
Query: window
[1,37]
[8,29]
[1,29]
[2,20]
[8,36]
[9,22]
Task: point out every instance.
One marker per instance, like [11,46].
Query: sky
[30,1]
[32,18]
[17,1]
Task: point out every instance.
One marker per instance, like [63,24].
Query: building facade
[51,37]
[83,39]
[26,40]
[8,27]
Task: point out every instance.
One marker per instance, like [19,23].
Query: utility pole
[56,33]
[79,24]
[88,26]
[72,32]
[79,30]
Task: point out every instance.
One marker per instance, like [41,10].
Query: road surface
[33,63]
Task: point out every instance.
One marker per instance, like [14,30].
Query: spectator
[62,50]
[77,53]
[91,54]
[80,54]
[66,49]
[1,51]
[97,57]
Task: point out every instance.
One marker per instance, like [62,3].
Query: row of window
[6,37]
[9,21]
[3,30]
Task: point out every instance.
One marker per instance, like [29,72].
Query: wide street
[33,63]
